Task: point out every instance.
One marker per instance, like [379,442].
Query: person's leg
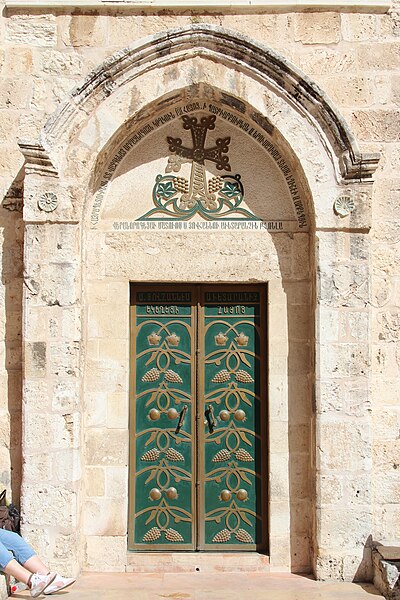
[16,570]
[13,544]
[21,550]
[35,565]
[8,564]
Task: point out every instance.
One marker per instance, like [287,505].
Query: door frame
[197,348]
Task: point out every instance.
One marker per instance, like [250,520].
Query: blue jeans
[12,546]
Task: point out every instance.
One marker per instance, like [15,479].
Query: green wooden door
[198,414]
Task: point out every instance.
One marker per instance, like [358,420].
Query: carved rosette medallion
[344,205]
[48,202]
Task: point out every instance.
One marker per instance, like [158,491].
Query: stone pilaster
[51,344]
[343,406]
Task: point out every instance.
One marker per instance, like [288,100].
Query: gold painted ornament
[151,375]
[173,339]
[243,455]
[173,536]
[152,535]
[242,339]
[221,339]
[171,493]
[222,536]
[172,413]
[221,456]
[243,536]
[243,376]
[242,494]
[151,455]
[155,494]
[240,415]
[174,455]
[153,339]
[225,495]
[154,414]
[221,377]
[224,415]
[173,377]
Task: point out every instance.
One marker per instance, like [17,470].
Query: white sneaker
[59,583]
[39,583]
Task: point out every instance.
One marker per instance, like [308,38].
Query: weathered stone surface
[325,61]
[109,551]
[45,505]
[110,449]
[19,61]
[35,359]
[356,27]
[317,28]
[379,56]
[55,62]
[351,450]
[47,95]
[87,30]
[105,516]
[377,125]
[60,431]
[3,588]
[95,481]
[349,91]
[32,29]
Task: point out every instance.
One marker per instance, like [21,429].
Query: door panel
[163,451]
[197,451]
[230,445]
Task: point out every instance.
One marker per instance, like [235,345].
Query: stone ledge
[386,566]
[254,5]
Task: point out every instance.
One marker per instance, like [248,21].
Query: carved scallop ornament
[48,202]
[344,205]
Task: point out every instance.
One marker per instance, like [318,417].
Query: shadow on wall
[300,416]
[12,229]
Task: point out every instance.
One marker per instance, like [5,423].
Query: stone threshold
[204,562]
[248,5]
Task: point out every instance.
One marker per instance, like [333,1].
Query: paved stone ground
[210,586]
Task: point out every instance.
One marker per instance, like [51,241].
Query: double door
[198,414]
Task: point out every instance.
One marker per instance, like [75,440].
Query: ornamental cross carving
[198,190]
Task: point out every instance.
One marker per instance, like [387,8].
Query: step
[206,562]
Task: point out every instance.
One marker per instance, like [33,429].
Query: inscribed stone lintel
[254,5]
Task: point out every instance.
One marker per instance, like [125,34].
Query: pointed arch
[233,50]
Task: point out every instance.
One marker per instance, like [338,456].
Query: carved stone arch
[237,52]
[76,146]
[118,92]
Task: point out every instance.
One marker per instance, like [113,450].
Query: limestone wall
[354,58]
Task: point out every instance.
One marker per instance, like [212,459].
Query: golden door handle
[181,418]
[210,418]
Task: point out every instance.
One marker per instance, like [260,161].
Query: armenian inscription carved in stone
[196,196]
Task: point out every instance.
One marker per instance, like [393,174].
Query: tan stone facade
[311,100]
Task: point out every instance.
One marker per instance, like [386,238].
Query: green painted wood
[163,399]
[231,404]
[197,486]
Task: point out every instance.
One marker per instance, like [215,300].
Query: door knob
[181,418]
[210,418]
